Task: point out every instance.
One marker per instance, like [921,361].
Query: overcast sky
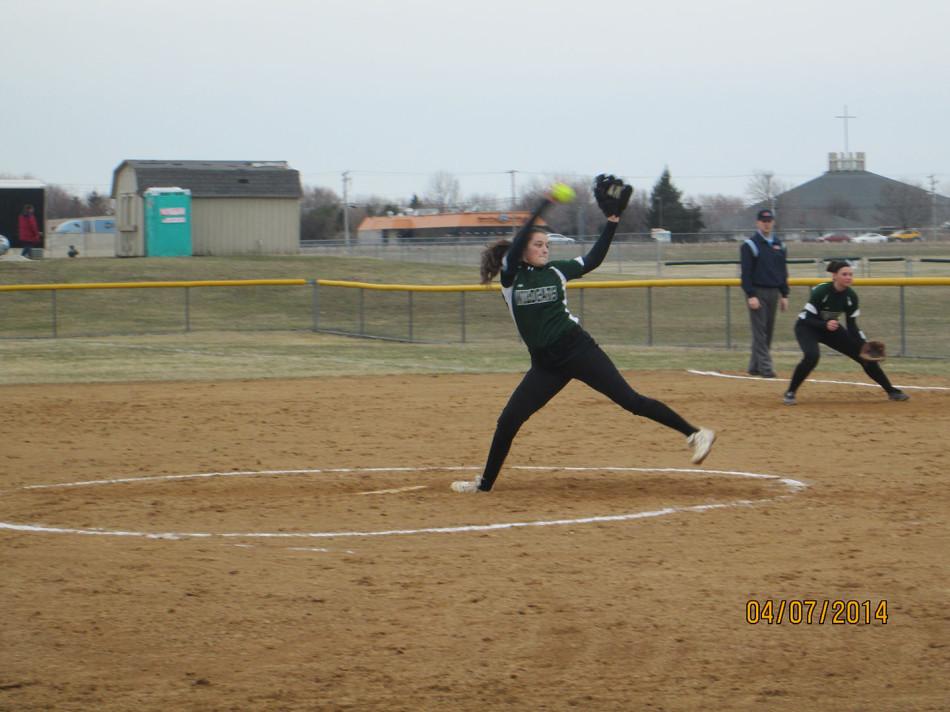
[395,90]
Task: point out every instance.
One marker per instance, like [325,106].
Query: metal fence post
[728,319]
[903,326]
[53,323]
[187,309]
[581,309]
[410,315]
[362,316]
[315,304]
[462,314]
[650,316]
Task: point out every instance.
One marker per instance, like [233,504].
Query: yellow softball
[562,193]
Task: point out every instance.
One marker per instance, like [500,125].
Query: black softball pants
[540,384]
[810,335]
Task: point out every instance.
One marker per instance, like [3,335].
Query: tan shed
[237,207]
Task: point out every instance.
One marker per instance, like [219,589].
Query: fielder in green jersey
[535,290]
[830,318]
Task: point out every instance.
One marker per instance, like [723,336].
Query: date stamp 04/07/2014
[813,611]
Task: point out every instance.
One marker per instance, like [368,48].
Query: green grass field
[139,334]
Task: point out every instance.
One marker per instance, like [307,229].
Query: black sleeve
[814,322]
[513,257]
[851,320]
[597,253]
[854,331]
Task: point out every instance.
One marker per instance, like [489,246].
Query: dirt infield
[364,590]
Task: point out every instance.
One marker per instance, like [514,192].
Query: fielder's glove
[873,351]
[612,194]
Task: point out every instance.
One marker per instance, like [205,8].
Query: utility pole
[513,199]
[933,205]
[346,212]
[514,223]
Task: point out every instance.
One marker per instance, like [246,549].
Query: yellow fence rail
[373,286]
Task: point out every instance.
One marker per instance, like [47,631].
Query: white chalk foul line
[717,374]
[395,490]
[792,486]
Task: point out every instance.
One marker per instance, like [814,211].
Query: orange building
[380,230]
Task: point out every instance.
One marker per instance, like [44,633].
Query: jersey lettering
[539,295]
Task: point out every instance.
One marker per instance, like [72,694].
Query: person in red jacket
[29,232]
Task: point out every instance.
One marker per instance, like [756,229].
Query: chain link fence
[911,315]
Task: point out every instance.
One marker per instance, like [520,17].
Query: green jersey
[537,300]
[828,303]
[537,296]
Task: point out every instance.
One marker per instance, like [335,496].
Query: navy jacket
[763,265]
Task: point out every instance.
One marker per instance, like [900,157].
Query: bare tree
[721,213]
[484,201]
[580,217]
[764,187]
[371,206]
[444,191]
[906,205]
[60,203]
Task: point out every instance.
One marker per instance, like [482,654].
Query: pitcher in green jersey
[534,288]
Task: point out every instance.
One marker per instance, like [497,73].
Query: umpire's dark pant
[541,383]
[812,332]
[762,321]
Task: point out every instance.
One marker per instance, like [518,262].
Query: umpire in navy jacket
[765,283]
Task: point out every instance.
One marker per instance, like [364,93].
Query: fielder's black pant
[544,381]
[811,333]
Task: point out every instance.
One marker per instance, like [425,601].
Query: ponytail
[492,256]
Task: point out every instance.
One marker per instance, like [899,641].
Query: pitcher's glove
[873,351]
[612,194]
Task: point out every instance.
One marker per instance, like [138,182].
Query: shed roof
[21,183]
[216,179]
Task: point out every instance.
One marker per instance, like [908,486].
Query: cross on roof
[845,118]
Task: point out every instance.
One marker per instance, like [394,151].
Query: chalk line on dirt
[791,486]
[717,374]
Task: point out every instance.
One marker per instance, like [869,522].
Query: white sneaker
[701,442]
[463,486]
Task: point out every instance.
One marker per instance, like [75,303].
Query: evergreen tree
[667,210]
[98,204]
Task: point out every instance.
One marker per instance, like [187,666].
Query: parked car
[904,236]
[86,226]
[556,237]
[870,237]
[834,237]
